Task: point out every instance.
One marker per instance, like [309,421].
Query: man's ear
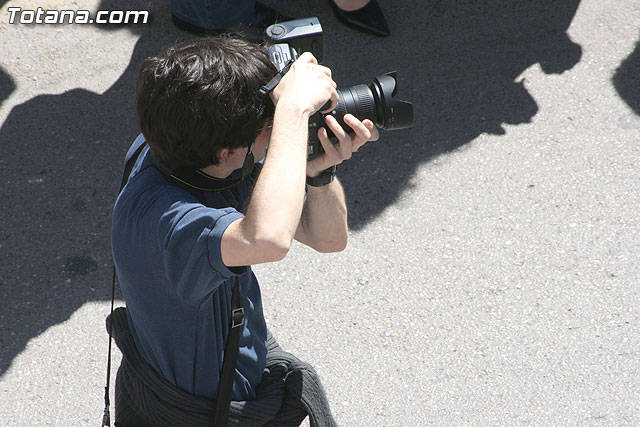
[224,154]
[231,154]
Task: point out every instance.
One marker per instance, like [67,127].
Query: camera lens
[375,102]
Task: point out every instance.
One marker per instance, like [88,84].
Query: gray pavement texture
[492,273]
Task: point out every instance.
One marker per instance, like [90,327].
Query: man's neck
[218,171]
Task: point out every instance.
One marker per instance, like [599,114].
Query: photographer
[187,226]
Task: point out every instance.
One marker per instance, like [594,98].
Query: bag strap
[130,161]
[225,387]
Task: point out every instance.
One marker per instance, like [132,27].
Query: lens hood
[392,113]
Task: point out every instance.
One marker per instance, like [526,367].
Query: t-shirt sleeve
[191,236]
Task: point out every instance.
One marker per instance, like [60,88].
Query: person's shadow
[60,167]
[626,80]
[459,63]
[62,154]
[7,86]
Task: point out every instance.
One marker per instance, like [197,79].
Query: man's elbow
[278,250]
[275,247]
[333,245]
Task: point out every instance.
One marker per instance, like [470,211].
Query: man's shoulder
[150,196]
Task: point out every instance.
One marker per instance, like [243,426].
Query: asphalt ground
[492,272]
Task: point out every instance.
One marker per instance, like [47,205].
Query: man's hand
[323,225]
[347,143]
[306,85]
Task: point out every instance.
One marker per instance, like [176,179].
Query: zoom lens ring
[366,107]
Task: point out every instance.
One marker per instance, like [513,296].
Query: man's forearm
[324,218]
[277,199]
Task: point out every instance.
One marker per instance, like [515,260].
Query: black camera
[375,101]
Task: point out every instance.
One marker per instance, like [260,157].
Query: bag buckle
[237,317]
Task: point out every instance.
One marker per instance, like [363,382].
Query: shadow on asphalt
[7,86]
[62,154]
[460,65]
[626,80]
[61,164]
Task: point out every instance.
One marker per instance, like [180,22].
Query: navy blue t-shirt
[166,248]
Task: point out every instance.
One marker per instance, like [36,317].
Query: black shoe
[368,19]
[190,28]
[254,30]
[265,16]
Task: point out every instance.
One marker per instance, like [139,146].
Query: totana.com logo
[49,16]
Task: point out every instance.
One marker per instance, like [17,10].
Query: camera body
[289,39]
[375,101]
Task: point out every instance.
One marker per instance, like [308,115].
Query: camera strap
[200,181]
[266,89]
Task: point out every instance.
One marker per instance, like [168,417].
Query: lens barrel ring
[357,100]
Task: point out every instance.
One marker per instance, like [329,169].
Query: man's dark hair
[199,97]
